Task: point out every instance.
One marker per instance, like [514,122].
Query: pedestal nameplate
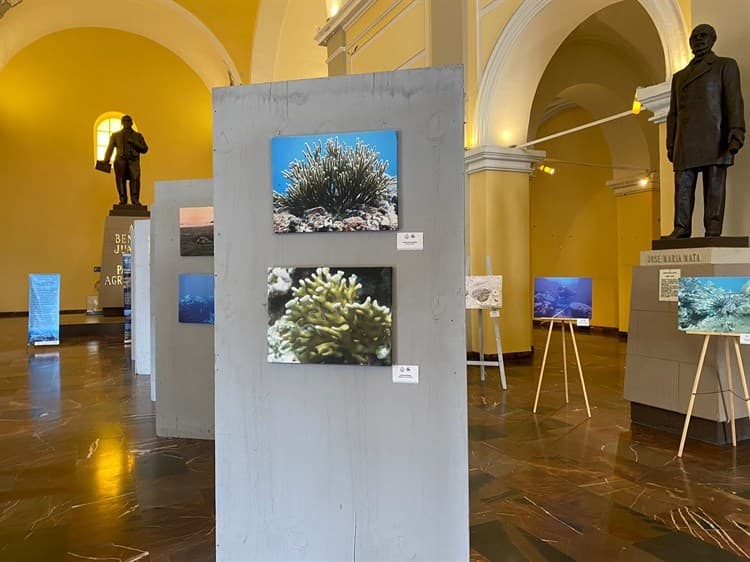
[696,256]
[116,243]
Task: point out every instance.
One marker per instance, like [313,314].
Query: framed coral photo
[338,182]
[330,315]
[719,305]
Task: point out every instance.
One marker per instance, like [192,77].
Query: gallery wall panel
[183,353]
[330,461]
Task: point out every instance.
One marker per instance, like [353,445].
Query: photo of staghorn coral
[340,182]
[331,315]
[714,304]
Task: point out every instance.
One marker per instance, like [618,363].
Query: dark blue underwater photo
[562,297]
[196,298]
[714,304]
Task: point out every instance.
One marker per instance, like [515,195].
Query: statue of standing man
[130,145]
[705,129]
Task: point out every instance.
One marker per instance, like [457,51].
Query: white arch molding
[163,21]
[527,43]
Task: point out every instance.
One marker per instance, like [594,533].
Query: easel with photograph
[495,316]
[570,323]
[735,339]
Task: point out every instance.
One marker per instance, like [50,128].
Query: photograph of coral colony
[342,182]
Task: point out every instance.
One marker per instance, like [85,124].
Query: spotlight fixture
[644,181]
[637,106]
[546,169]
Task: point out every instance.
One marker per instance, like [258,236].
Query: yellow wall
[55,203]
[574,216]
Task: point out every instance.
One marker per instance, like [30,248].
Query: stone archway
[525,47]
[162,21]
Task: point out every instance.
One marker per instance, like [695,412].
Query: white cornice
[656,100]
[501,159]
[633,184]
[346,16]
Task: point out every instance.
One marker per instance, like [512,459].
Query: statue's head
[127,122]
[702,39]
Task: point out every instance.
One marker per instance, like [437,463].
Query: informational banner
[127,297]
[669,284]
[44,309]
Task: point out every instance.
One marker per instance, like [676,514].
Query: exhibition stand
[570,322]
[322,452]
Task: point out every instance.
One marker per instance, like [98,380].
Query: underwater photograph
[562,297]
[714,304]
[339,182]
[484,291]
[330,315]
[196,298]
[197,231]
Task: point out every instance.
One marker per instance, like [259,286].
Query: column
[636,197]
[499,226]
[656,100]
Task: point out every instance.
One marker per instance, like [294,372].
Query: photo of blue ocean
[196,298]
[714,304]
[562,297]
[284,150]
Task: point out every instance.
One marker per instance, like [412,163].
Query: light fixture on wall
[546,169]
[6,5]
[333,7]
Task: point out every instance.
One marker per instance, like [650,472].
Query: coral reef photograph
[196,298]
[341,182]
[330,315]
[197,231]
[714,304]
[562,297]
[484,291]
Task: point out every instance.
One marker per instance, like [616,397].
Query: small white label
[669,284]
[410,241]
[406,373]
[494,314]
[745,339]
[583,322]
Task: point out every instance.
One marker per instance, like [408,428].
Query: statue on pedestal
[130,145]
[705,129]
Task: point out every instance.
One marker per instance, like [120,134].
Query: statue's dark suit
[706,115]
[130,145]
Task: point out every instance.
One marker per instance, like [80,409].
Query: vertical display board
[183,353]
[364,468]
[141,283]
[127,293]
[44,309]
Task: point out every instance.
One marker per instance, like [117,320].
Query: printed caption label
[410,241]
[494,314]
[406,374]
[745,339]
[583,322]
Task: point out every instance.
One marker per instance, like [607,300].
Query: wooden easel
[736,340]
[570,322]
[495,315]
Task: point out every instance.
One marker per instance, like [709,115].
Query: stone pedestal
[116,242]
[661,360]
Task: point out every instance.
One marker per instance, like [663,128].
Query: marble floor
[83,476]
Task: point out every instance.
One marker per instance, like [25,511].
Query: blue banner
[127,297]
[44,309]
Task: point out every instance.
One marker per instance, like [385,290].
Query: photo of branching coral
[562,297]
[714,304]
[484,291]
[197,231]
[330,315]
[340,182]
[196,298]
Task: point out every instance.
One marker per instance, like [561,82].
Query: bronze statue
[130,145]
[705,129]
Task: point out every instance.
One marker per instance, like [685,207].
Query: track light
[546,169]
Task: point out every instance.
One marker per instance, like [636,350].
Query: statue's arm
[110,148]
[672,121]
[139,143]
[734,105]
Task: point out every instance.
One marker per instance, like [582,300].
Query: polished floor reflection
[83,476]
